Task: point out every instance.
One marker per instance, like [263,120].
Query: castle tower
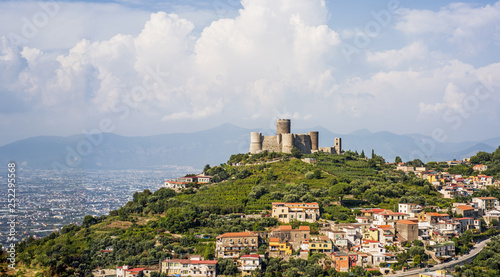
[255,142]
[314,140]
[287,143]
[338,145]
[283,126]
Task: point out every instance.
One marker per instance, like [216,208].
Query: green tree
[296,153]
[362,155]
[398,160]
[417,259]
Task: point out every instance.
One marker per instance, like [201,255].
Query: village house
[465,211]
[485,203]
[490,215]
[338,238]
[341,261]
[466,223]
[279,248]
[407,229]
[443,249]
[388,217]
[287,212]
[293,236]
[249,263]
[229,245]
[409,208]
[195,267]
[480,167]
[321,244]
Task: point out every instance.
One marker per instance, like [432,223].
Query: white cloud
[272,56]
[412,53]
[466,28]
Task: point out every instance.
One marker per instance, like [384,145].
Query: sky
[139,68]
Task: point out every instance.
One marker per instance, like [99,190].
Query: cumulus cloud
[467,28]
[413,53]
[271,56]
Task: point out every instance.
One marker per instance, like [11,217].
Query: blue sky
[153,67]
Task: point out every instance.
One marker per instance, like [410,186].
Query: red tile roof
[239,234]
[465,208]
[407,222]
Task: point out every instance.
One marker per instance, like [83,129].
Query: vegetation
[486,263]
[168,224]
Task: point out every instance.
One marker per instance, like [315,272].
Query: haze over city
[427,67]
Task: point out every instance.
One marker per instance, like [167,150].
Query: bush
[309,175]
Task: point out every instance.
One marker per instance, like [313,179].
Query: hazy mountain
[212,146]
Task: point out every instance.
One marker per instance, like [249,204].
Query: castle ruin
[284,141]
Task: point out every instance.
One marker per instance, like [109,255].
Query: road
[474,251]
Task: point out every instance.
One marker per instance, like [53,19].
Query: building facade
[229,245]
[194,267]
[287,212]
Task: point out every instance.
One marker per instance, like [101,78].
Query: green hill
[165,224]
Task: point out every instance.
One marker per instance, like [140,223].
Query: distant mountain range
[212,146]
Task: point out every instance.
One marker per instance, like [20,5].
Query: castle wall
[302,142]
[284,141]
[270,143]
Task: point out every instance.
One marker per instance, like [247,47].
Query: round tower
[314,140]
[287,143]
[255,143]
[283,126]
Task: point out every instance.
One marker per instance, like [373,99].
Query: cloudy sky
[135,68]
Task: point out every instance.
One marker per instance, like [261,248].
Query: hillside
[164,224]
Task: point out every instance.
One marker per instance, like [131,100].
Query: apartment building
[294,236]
[194,267]
[287,212]
[229,245]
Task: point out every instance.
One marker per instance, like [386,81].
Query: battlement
[284,141]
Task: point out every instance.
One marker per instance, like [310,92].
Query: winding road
[473,252]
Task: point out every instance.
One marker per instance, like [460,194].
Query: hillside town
[373,242]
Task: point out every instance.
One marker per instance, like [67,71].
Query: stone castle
[284,141]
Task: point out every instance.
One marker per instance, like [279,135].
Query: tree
[494,222]
[362,154]
[418,243]
[206,168]
[296,153]
[398,160]
[416,250]
[373,154]
[417,259]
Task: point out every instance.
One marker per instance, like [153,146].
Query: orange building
[341,261]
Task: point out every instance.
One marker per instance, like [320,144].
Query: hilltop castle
[284,141]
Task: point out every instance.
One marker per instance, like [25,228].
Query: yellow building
[321,244]
[278,248]
[371,234]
